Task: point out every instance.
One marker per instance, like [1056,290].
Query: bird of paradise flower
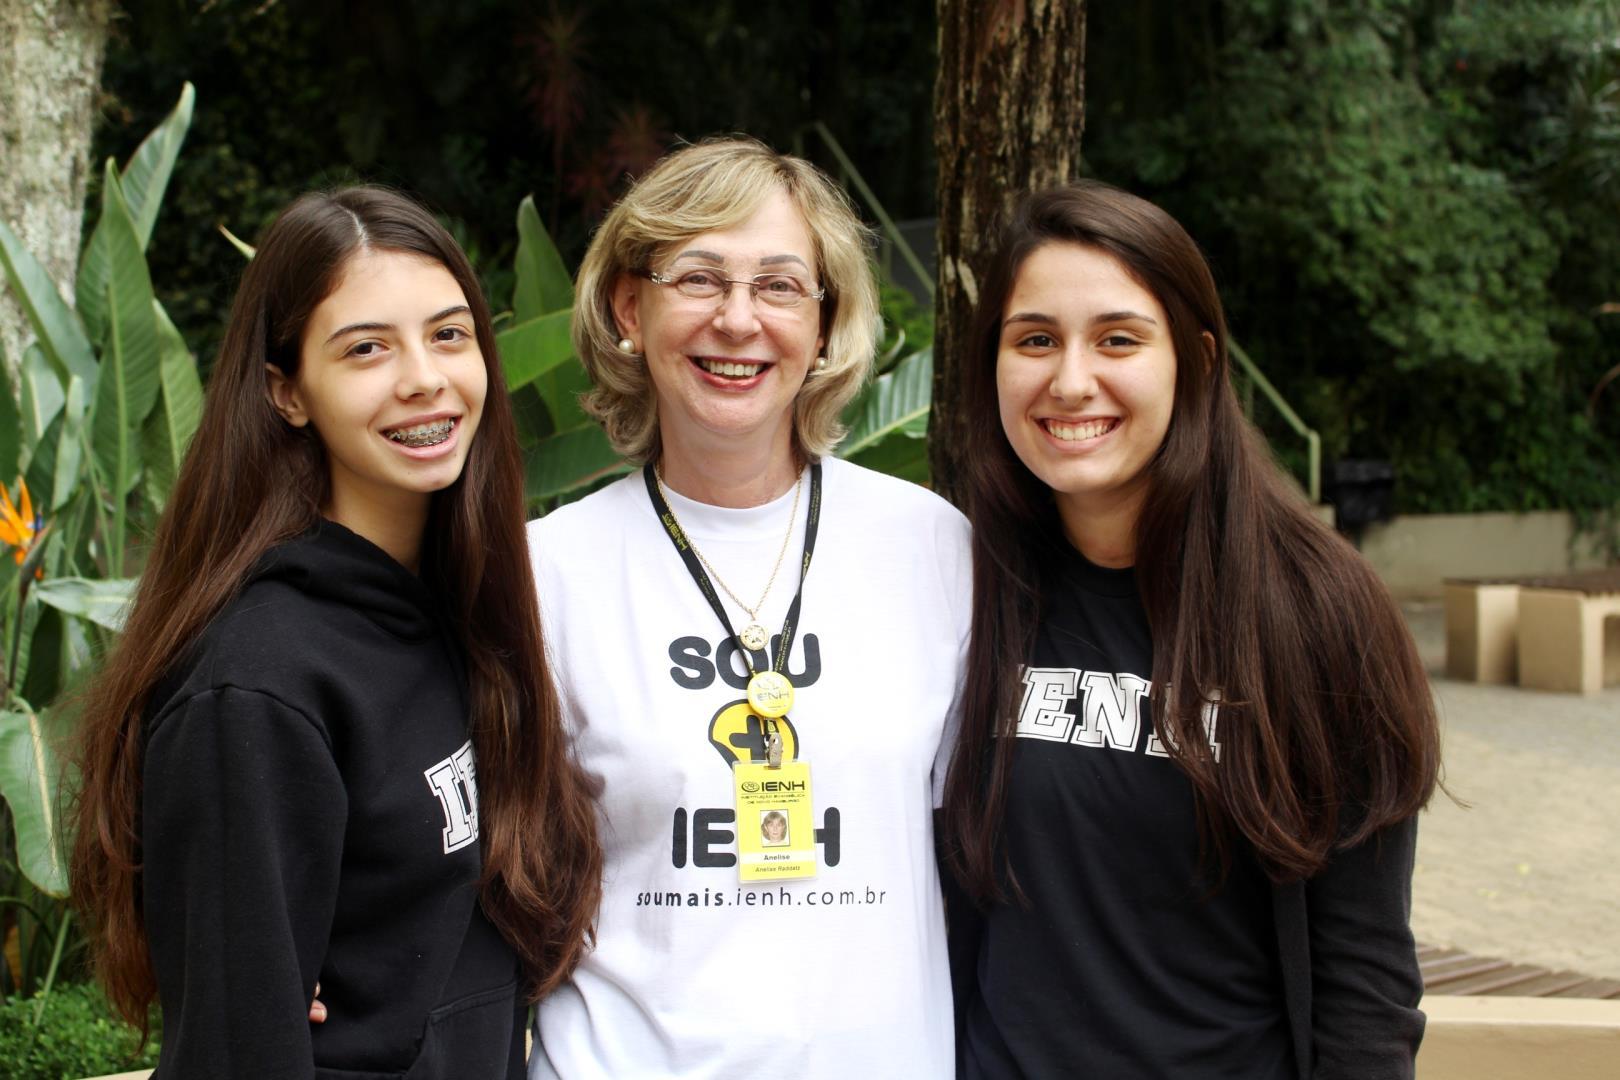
[21,529]
[25,531]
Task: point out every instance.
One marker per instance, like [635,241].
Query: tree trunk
[50,71]
[1009,108]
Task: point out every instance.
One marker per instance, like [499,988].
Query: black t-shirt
[1130,960]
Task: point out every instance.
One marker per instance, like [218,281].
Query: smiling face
[1085,377]
[391,377]
[725,371]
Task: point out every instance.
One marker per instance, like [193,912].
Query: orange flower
[18,528]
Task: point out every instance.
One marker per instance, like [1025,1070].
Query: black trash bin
[1361,492]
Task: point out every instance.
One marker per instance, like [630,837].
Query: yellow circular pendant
[770,694]
[753,636]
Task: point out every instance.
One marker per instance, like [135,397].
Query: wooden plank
[1455,972]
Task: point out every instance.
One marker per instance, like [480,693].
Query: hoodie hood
[329,562]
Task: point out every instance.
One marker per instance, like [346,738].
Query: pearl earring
[627,346]
[821,363]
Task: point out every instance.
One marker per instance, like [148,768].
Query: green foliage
[27,763]
[143,184]
[62,339]
[460,105]
[76,1037]
[10,421]
[888,423]
[543,282]
[907,325]
[108,399]
[1398,202]
[38,930]
[565,453]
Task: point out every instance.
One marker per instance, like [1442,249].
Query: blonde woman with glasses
[744,625]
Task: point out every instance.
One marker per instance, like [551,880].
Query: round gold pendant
[753,636]
[770,694]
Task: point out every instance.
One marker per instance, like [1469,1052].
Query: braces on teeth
[424,434]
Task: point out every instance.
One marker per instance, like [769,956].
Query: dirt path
[1529,872]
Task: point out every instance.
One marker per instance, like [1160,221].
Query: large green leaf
[130,365]
[43,677]
[61,334]
[104,601]
[560,388]
[145,179]
[41,471]
[42,396]
[23,632]
[531,416]
[55,458]
[903,454]
[543,285]
[568,461]
[67,453]
[891,403]
[8,576]
[169,428]
[10,424]
[532,348]
[29,776]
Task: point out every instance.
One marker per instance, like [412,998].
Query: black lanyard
[683,547]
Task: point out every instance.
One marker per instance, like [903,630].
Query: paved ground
[1530,870]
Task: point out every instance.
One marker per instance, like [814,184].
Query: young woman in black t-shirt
[1196,731]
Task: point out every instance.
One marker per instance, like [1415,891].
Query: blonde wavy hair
[718,184]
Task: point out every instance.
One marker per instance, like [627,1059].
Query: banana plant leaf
[46,667]
[532,348]
[894,405]
[29,775]
[25,632]
[42,396]
[531,416]
[543,285]
[568,461]
[41,471]
[8,578]
[560,388]
[61,335]
[68,451]
[903,454]
[55,457]
[104,601]
[10,424]
[144,181]
[129,382]
[169,428]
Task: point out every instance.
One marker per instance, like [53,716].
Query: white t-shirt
[693,975]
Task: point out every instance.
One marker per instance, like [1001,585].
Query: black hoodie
[310,813]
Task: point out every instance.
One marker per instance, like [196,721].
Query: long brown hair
[251,481]
[1328,729]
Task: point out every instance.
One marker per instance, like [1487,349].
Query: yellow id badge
[776,831]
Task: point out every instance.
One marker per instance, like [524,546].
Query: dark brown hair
[251,481]
[1328,730]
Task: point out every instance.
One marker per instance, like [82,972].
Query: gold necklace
[753,635]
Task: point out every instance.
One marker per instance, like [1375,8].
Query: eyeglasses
[704,283]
